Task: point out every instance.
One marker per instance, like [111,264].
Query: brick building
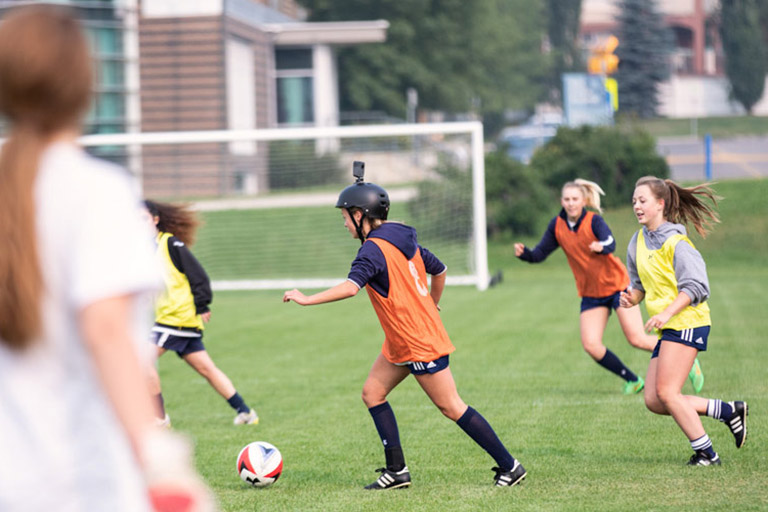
[189,65]
[233,64]
[697,86]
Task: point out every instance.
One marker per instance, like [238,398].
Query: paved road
[739,157]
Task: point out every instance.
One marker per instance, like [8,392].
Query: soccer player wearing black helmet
[393,267]
[371,199]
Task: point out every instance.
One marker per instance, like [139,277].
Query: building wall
[697,86]
[263,55]
[183,77]
[250,171]
[700,96]
[182,74]
[687,19]
[605,11]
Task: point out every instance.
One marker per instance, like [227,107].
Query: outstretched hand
[519,249]
[295,296]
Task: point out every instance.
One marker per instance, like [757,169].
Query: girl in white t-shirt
[76,422]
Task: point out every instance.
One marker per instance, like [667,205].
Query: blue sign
[586,100]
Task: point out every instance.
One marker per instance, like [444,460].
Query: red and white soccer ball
[259,464]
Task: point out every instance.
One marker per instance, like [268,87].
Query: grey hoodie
[690,269]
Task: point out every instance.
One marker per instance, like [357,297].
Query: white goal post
[231,190]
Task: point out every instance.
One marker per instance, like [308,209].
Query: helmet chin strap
[358,227]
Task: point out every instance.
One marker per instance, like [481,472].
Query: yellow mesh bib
[657,273]
[176,305]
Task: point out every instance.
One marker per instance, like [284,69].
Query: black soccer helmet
[369,197]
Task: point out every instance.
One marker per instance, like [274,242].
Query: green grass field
[519,362]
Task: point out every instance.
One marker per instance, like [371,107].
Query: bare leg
[204,365]
[655,405]
[631,322]
[593,323]
[153,377]
[382,379]
[674,362]
[441,389]
[155,388]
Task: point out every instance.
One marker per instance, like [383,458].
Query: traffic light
[602,60]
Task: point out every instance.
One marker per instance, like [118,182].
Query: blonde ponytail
[590,190]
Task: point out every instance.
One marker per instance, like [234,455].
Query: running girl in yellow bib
[669,273]
[180,312]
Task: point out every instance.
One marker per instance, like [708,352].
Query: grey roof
[254,14]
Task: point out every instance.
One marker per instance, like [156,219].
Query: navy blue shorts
[610,302]
[182,340]
[696,337]
[419,368]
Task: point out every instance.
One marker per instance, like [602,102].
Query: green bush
[611,157]
[516,197]
[296,164]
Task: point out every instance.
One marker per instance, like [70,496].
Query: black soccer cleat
[509,478]
[738,422]
[702,459]
[391,480]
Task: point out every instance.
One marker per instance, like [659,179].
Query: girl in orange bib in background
[393,268]
[600,277]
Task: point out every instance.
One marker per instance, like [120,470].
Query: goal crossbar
[480,278]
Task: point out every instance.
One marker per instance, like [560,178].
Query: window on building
[106,40]
[105,29]
[295,89]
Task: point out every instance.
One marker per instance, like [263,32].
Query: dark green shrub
[516,198]
[611,157]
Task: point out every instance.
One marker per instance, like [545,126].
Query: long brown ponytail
[45,86]
[682,205]
[178,219]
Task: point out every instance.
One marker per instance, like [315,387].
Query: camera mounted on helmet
[358,171]
[370,198]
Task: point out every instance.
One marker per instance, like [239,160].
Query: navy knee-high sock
[473,423]
[237,403]
[386,426]
[612,363]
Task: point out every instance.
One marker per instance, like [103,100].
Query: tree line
[493,56]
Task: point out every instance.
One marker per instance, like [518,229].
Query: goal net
[267,197]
